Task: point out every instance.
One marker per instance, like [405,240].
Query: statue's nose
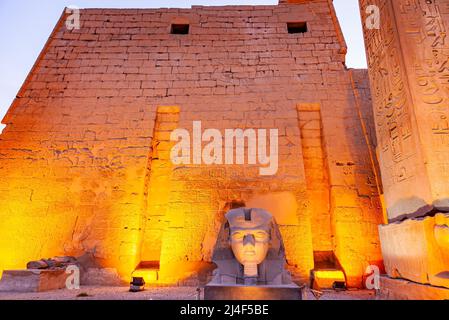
[249,240]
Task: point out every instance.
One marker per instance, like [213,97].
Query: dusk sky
[26,24]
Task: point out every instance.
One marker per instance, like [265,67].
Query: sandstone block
[33,280]
[418,250]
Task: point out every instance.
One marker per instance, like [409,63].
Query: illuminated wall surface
[84,157]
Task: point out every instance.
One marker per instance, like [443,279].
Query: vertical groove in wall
[372,153]
[159,183]
[317,175]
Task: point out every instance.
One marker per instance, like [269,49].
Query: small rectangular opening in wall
[180,28]
[297,27]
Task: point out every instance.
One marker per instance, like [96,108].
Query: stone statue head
[250,235]
[249,249]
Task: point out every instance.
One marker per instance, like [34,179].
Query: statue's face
[250,246]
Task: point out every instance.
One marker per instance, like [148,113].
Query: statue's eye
[261,235]
[238,236]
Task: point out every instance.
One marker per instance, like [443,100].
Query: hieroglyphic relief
[426,27]
[392,101]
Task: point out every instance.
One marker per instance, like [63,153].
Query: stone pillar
[408,57]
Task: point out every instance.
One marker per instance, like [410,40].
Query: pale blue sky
[26,24]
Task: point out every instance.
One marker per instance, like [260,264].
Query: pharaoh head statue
[249,249]
[250,235]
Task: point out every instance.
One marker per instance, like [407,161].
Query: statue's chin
[250,257]
[250,260]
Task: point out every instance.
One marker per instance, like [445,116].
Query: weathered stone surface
[101,276]
[407,57]
[398,289]
[282,205]
[84,153]
[408,71]
[52,263]
[220,292]
[33,280]
[418,250]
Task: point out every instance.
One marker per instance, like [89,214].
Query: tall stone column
[408,57]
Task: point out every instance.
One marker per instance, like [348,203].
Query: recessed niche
[297,27]
[180,28]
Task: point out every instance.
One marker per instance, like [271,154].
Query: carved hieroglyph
[84,154]
[409,70]
[423,25]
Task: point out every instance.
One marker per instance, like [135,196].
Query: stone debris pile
[52,263]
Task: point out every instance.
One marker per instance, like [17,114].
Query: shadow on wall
[211,236]
[424,209]
[356,205]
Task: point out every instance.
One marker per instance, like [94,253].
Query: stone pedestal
[239,292]
[33,280]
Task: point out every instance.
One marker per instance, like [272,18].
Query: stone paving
[164,293]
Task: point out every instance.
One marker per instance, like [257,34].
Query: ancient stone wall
[84,154]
